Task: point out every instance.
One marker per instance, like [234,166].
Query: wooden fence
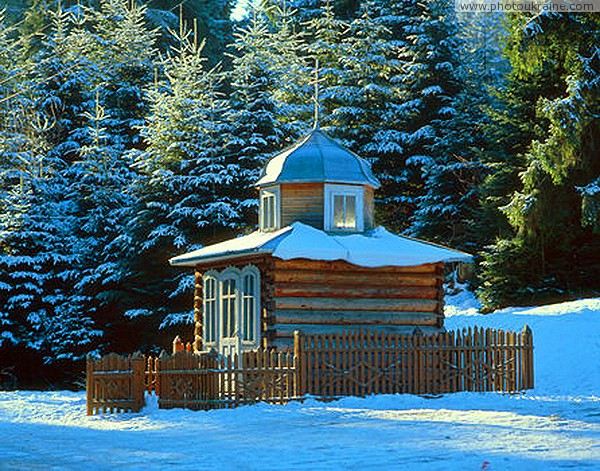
[361,363]
[329,366]
[209,381]
[193,381]
[115,383]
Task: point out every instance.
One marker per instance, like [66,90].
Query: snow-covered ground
[554,426]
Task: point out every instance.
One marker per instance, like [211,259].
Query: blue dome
[317,158]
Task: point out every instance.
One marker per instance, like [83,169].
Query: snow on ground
[555,426]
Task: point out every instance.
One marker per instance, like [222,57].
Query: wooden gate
[115,383]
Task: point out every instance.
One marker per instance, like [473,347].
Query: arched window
[210,309]
[231,305]
[250,305]
[228,307]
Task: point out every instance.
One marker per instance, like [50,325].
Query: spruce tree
[551,251]
[187,183]
[253,78]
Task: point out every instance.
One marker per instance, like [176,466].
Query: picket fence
[355,363]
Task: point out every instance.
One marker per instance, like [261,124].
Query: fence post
[298,364]
[138,367]
[528,353]
[178,345]
[89,385]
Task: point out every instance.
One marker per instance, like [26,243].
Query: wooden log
[343,317]
[343,266]
[358,291]
[350,304]
[299,363]
[287,330]
[354,278]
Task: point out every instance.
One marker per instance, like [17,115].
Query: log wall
[327,297]
[369,208]
[302,202]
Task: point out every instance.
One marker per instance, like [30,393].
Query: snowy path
[555,426]
[462,431]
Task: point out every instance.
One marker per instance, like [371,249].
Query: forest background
[132,131]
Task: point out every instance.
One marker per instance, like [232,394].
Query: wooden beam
[370,279]
[296,316]
[340,265]
[286,331]
[350,304]
[357,290]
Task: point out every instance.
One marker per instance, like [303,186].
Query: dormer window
[344,208]
[344,212]
[269,209]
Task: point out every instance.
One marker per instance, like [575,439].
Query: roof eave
[310,180]
[202,260]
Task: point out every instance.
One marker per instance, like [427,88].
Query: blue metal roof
[317,158]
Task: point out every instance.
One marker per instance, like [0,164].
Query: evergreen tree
[187,183]
[325,33]
[38,239]
[555,251]
[294,70]
[448,210]
[253,79]
[429,84]
[368,94]
[212,18]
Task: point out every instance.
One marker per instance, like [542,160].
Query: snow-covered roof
[317,158]
[376,248]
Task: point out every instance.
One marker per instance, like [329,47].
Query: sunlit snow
[554,426]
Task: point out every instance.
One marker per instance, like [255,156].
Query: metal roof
[317,158]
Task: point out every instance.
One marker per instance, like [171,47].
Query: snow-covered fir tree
[324,35]
[369,93]
[43,265]
[295,72]
[188,180]
[254,78]
[556,63]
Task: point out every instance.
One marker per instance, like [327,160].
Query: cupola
[318,182]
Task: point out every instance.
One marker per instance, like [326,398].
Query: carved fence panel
[360,363]
[355,363]
[115,383]
[207,381]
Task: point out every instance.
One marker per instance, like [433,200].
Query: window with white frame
[228,307]
[269,209]
[210,309]
[231,305]
[344,208]
[249,300]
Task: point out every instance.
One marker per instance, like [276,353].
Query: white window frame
[344,190]
[210,276]
[270,192]
[230,274]
[238,329]
[250,270]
